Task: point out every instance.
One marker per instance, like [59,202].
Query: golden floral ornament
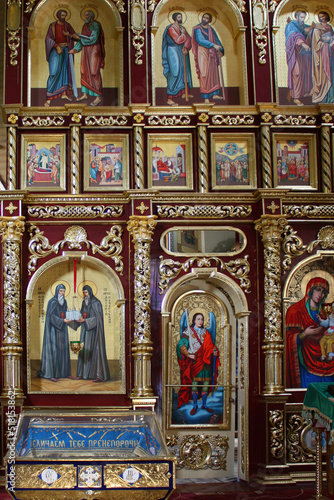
[327,118]
[142,208]
[138,118]
[203,117]
[76,118]
[325,238]
[266,117]
[13,118]
[74,238]
[11,208]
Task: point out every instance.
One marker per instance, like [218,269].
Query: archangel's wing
[212,326]
[183,322]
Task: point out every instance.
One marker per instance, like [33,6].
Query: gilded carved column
[11,159]
[139,157]
[266,156]
[271,227]
[75,160]
[142,229]
[203,159]
[326,170]
[11,230]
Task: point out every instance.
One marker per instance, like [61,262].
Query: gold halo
[60,282]
[198,310]
[89,7]
[87,282]
[300,7]
[177,9]
[209,11]
[324,9]
[62,7]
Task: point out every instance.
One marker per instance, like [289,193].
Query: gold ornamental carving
[271,228]
[74,238]
[232,120]
[241,5]
[151,475]
[120,6]
[11,208]
[295,120]
[13,119]
[55,121]
[29,6]
[242,356]
[75,211]
[141,229]
[170,269]
[198,452]
[169,120]
[106,121]
[11,231]
[242,443]
[309,211]
[260,26]
[45,476]
[293,244]
[276,420]
[203,211]
[13,41]
[151,5]
[296,452]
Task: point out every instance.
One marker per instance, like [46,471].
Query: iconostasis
[169,167]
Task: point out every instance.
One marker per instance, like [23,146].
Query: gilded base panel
[30,476]
[150,476]
[87,495]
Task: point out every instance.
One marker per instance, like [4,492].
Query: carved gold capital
[11,228]
[142,227]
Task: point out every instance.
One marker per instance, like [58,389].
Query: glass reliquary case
[88,454]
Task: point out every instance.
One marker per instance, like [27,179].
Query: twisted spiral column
[271,227]
[11,231]
[75,189]
[266,157]
[203,159]
[11,157]
[326,170]
[139,158]
[142,228]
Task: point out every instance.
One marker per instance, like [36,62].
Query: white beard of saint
[61,299]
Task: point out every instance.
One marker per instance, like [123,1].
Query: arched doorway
[204,440]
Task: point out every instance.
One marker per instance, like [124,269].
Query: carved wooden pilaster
[11,230]
[271,228]
[142,228]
